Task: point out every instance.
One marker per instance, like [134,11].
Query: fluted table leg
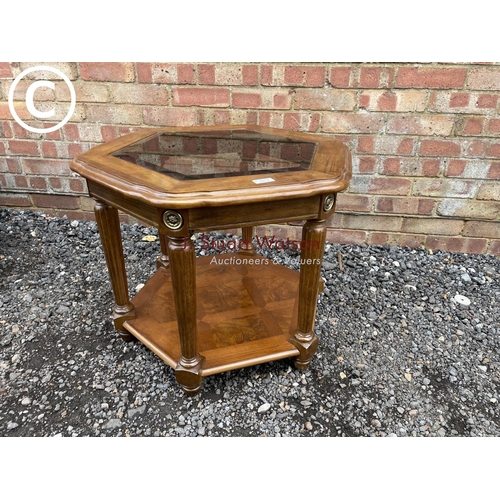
[108,223]
[183,271]
[311,256]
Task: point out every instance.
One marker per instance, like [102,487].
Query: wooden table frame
[169,315]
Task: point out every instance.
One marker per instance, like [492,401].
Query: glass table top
[209,154]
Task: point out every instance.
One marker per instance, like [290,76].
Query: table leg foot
[307,348]
[189,377]
[120,315]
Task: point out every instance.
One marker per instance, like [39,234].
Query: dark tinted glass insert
[219,154]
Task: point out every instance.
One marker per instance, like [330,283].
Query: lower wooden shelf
[246,312]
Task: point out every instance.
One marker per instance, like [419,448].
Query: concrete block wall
[425,137]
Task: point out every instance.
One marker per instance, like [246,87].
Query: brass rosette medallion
[329,202]
[172,219]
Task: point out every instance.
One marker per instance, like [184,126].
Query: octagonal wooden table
[204,316]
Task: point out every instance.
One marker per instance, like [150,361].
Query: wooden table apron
[202,318]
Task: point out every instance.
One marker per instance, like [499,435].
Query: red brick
[166,73]
[475,148]
[250,74]
[5,70]
[406,205]
[364,102]
[488,101]
[398,100]
[7,130]
[387,185]
[281,101]
[72,132]
[420,125]
[328,99]
[309,76]
[431,168]
[482,229]
[76,186]
[473,126]
[364,165]
[411,240]
[494,172]
[369,78]
[345,237]
[462,245]
[55,201]
[246,100]
[10,165]
[21,181]
[349,123]
[107,71]
[387,101]
[206,74]
[85,92]
[455,168]
[399,239]
[127,130]
[410,167]
[38,166]
[306,122]
[218,97]
[340,76]
[431,147]
[37,183]
[75,149]
[393,145]
[493,126]
[472,169]
[233,116]
[140,94]
[365,144]
[25,148]
[484,79]
[353,203]
[266,75]
[493,150]
[21,133]
[170,116]
[426,225]
[459,100]
[55,183]
[269,119]
[494,248]
[15,200]
[20,108]
[378,239]
[49,149]
[118,113]
[222,117]
[108,133]
[372,222]
[424,77]
[87,216]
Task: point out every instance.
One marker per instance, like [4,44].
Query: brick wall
[425,138]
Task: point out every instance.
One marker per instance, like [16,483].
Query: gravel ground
[409,346]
